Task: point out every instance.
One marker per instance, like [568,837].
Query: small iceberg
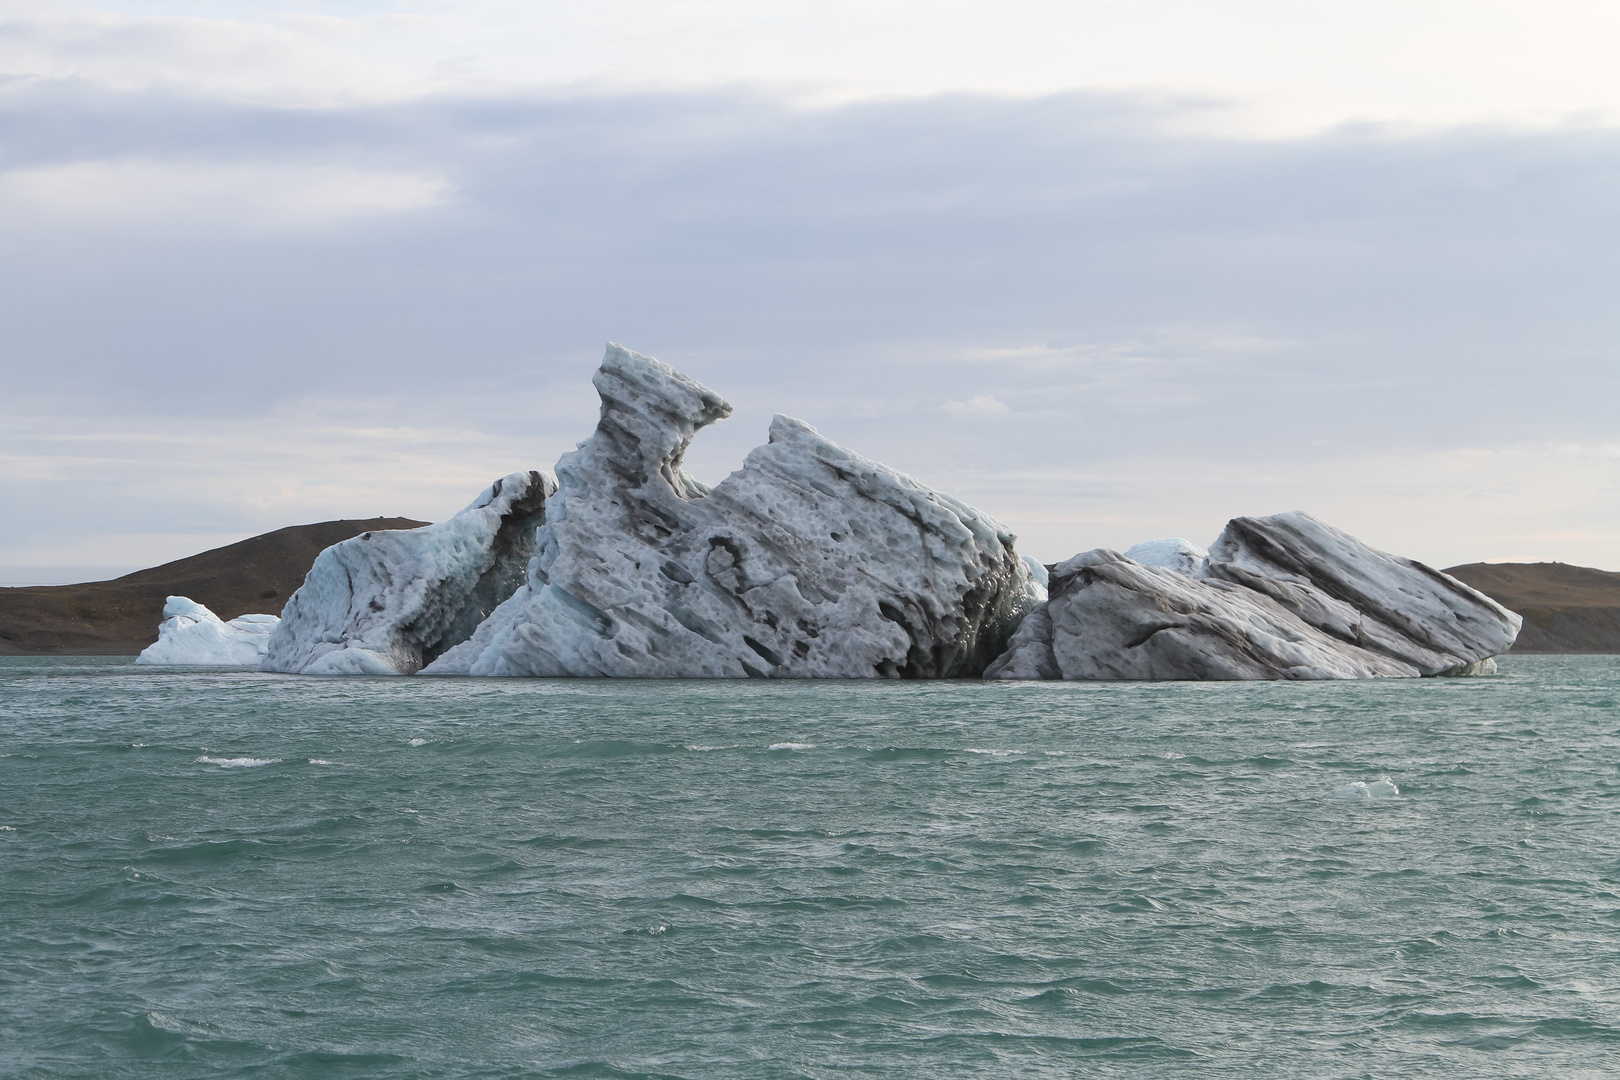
[192,636]
[1383,788]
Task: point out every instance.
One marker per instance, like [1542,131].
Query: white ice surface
[386,602]
[1386,603]
[1361,791]
[808,562]
[1172,553]
[191,635]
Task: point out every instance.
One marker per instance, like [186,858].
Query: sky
[1109,269]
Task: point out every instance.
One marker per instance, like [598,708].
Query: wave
[614,748]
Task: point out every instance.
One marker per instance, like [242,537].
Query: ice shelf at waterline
[1282,597]
[813,562]
[192,636]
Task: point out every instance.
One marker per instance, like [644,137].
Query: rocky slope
[1566,609]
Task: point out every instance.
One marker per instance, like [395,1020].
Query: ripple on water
[742,880]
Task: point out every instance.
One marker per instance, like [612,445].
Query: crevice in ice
[389,602]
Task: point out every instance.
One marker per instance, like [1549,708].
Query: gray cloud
[1106,291]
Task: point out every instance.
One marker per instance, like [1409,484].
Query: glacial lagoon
[225,873]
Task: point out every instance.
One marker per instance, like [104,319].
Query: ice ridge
[810,561]
[390,601]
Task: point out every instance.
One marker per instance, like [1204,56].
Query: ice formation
[191,635]
[388,602]
[1282,597]
[813,562]
[1391,605]
[1361,791]
[808,562]
[1172,553]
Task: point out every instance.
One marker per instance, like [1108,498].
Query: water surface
[225,874]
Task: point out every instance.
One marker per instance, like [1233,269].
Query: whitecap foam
[237,762]
[793,746]
[1360,791]
[992,753]
[7,828]
[423,742]
[323,761]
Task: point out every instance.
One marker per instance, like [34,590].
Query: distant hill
[121,616]
[1566,609]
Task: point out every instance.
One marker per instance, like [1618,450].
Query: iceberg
[1281,597]
[811,561]
[808,562]
[390,601]
[192,636]
[1172,553]
[1394,606]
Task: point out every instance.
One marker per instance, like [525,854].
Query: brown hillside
[121,616]
[1566,609]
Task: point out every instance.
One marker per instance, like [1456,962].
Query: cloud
[251,195]
[1302,320]
[1254,66]
[983,405]
[160,488]
[297,62]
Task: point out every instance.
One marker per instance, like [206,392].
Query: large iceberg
[388,602]
[1282,597]
[192,636]
[808,562]
[811,561]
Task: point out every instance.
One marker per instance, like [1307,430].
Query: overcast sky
[1110,269]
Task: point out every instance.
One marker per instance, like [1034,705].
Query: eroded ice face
[388,602]
[810,561]
[1281,597]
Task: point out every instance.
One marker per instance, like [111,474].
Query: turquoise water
[229,874]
